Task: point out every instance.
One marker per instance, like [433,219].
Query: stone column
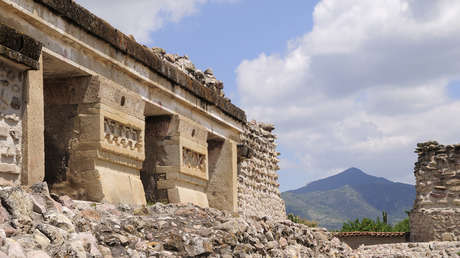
[103,136]
[222,187]
[177,161]
[33,170]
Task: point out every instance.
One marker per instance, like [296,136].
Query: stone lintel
[19,48]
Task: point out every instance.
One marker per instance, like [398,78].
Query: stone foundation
[436,212]
[258,188]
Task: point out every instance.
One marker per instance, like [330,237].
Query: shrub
[370,225]
[299,220]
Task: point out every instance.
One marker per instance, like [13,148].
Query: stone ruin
[436,212]
[102,118]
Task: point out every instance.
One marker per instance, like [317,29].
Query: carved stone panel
[193,160]
[121,135]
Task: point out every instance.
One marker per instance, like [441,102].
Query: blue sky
[221,35]
[346,82]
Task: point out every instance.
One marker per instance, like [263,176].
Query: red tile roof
[372,234]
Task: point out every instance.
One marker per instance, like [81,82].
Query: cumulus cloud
[361,89]
[140,18]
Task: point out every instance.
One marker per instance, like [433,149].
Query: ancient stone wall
[258,188]
[11,113]
[436,212]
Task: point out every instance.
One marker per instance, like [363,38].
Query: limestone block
[4,131]
[120,184]
[8,168]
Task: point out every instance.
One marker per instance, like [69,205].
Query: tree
[299,220]
[369,225]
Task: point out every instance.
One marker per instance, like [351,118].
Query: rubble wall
[436,212]
[258,187]
[11,114]
[430,249]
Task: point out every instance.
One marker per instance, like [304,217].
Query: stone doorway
[60,84]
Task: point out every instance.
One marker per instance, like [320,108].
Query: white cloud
[362,88]
[141,17]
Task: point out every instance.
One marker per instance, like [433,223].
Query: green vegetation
[299,220]
[378,225]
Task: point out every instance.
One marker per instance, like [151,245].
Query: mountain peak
[353,171]
[352,176]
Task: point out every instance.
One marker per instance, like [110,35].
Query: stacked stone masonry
[258,188]
[436,212]
[429,249]
[11,112]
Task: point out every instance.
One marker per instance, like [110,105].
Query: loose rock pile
[207,77]
[34,224]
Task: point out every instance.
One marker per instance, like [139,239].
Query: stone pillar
[222,188]
[33,170]
[99,136]
[176,169]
